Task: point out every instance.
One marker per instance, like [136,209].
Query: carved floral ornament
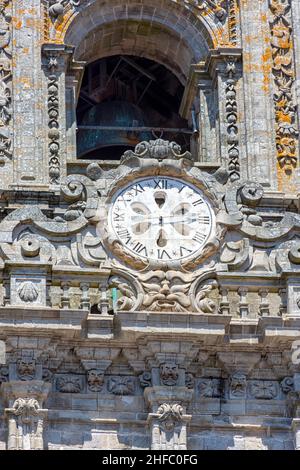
[284,77]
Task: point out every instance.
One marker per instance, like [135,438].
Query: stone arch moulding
[191,29]
[68,21]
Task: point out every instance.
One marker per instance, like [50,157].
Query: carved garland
[284,77]
[53,123]
[232,118]
[5,81]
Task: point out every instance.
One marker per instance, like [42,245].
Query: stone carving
[26,369]
[218,7]
[68,384]
[235,254]
[263,389]
[145,379]
[95,380]
[128,295]
[4,374]
[26,407]
[169,415]
[232,118]
[26,422]
[294,252]
[203,303]
[5,81]
[121,385]
[169,373]
[237,385]
[287,384]
[57,7]
[232,21]
[28,292]
[209,388]
[159,149]
[53,123]
[189,380]
[47,375]
[284,77]
[166,291]
[5,95]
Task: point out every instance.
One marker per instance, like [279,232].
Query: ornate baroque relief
[26,423]
[79,236]
[5,80]
[53,123]
[284,78]
[232,119]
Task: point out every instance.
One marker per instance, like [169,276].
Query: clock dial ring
[161,218]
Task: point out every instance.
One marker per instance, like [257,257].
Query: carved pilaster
[55,61]
[25,415]
[284,77]
[168,419]
[5,83]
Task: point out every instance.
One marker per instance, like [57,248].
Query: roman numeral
[203,219]
[199,237]
[198,202]
[139,248]
[182,251]
[162,253]
[123,233]
[161,184]
[119,217]
[138,189]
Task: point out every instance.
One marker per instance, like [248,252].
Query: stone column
[25,415]
[224,67]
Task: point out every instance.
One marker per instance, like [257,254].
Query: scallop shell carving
[28,292]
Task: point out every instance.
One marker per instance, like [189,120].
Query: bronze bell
[105,116]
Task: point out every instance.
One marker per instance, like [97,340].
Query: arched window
[124,100]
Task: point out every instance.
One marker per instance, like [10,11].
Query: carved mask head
[169,373]
[26,369]
[95,379]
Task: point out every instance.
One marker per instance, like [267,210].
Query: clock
[161,219]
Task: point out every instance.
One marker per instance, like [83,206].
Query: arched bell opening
[125,99]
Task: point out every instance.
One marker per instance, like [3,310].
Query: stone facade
[109,345]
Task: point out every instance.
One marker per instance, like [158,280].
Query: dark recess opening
[124,100]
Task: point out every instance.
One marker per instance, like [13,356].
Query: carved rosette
[284,78]
[5,81]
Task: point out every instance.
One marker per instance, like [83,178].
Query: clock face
[161,218]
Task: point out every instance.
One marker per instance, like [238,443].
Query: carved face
[238,384]
[169,373]
[26,369]
[161,219]
[95,380]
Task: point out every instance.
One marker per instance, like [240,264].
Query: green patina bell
[111,114]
